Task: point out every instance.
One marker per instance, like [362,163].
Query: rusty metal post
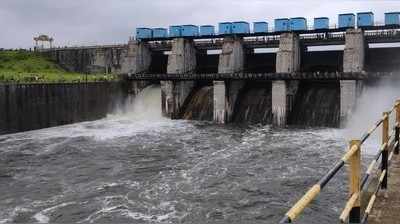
[385,152]
[354,182]
[397,130]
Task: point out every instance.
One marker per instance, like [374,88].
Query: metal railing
[263,76]
[352,210]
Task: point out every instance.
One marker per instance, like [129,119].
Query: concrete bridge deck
[259,40]
[314,39]
[387,209]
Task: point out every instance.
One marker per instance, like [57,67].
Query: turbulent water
[136,167]
[200,105]
[316,104]
[254,105]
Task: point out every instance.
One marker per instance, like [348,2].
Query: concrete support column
[231,60]
[279,103]
[349,91]
[288,56]
[173,96]
[182,58]
[138,58]
[220,102]
[354,51]
[174,93]
[353,61]
[283,92]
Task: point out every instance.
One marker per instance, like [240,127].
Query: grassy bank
[24,66]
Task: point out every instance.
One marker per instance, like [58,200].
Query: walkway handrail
[352,211]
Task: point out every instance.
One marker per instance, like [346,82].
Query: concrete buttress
[138,58]
[231,60]
[174,93]
[353,61]
[283,92]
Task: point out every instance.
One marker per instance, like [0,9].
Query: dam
[216,128]
[287,76]
[291,65]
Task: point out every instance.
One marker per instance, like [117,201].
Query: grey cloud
[83,22]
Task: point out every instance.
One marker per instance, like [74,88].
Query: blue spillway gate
[392,18]
[365,19]
[160,33]
[298,23]
[240,27]
[225,28]
[321,23]
[281,25]
[144,33]
[260,27]
[190,31]
[207,30]
[347,20]
[175,31]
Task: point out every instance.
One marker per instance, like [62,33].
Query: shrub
[27,68]
[20,55]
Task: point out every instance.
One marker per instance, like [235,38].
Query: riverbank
[23,66]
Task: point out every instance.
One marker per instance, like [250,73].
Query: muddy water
[146,169]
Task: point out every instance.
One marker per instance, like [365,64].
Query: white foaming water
[373,101]
[146,106]
[141,113]
[41,216]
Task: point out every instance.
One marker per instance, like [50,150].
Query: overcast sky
[88,22]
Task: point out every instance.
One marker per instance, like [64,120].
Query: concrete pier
[288,56]
[182,58]
[353,61]
[231,60]
[138,58]
[348,98]
[220,102]
[354,51]
[287,61]
[174,93]
[279,103]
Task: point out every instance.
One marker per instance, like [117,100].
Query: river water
[136,167]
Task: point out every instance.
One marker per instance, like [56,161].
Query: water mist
[374,100]
[146,106]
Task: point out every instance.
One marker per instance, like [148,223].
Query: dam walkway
[373,197]
[260,76]
[387,207]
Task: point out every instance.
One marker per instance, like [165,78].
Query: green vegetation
[27,67]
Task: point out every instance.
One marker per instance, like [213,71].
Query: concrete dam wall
[26,107]
[111,59]
[279,102]
[292,101]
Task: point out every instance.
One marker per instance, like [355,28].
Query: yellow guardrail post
[354,182]
[385,152]
[397,131]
